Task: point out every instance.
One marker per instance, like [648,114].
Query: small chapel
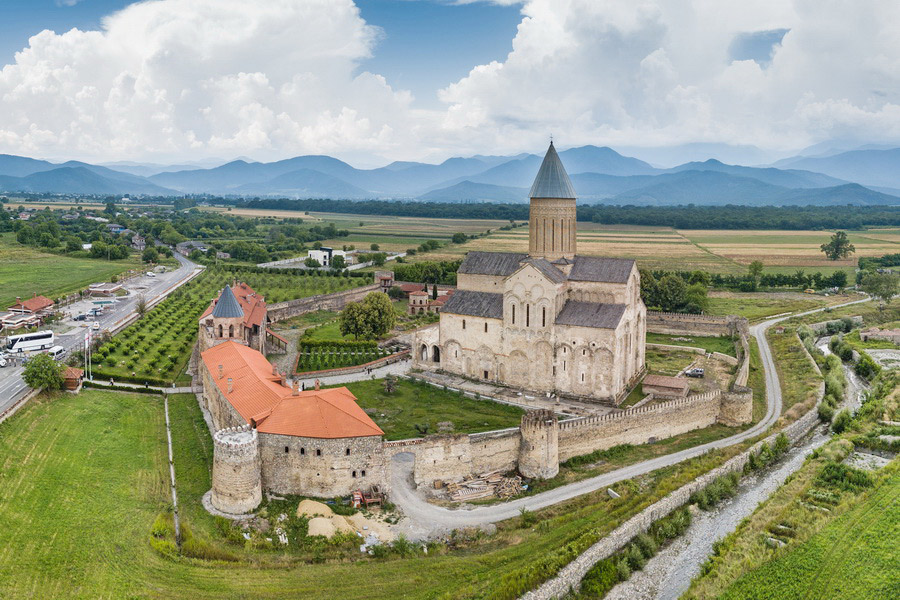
[551,320]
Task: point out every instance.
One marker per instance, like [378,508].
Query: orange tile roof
[258,395]
[33,304]
[253,305]
[72,373]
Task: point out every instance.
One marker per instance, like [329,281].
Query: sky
[380,80]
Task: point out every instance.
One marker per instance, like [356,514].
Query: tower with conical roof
[551,233]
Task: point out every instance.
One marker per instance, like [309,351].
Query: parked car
[56,352]
[80,318]
[151,274]
[695,372]
[95,325]
[3,361]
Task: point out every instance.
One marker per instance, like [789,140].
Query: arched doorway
[423,353]
[436,354]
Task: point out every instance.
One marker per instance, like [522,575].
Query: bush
[841,421]
[839,476]
[724,486]
[646,544]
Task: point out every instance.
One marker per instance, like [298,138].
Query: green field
[414,403]
[799,379]
[723,345]
[663,362]
[84,478]
[25,271]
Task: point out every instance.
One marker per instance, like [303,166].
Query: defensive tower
[539,448]
[236,476]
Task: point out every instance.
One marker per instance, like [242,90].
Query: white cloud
[184,79]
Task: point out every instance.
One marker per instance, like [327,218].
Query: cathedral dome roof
[552,181]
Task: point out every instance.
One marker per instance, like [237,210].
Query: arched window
[354,474]
[527,315]
[220,330]
[231,331]
[485,327]
[318,452]
[302,451]
[348,451]
[363,473]
[464,323]
[513,314]
[543,316]
[286,449]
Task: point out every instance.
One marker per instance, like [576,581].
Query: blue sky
[426,44]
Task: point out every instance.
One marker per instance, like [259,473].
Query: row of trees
[672,293]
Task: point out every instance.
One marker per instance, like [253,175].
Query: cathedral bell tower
[551,233]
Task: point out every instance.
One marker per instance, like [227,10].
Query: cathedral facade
[550,320]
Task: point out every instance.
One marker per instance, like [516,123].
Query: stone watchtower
[539,448]
[236,474]
[551,233]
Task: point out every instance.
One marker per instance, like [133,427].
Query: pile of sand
[321,526]
[311,508]
[366,526]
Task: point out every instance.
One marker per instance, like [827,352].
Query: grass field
[668,363]
[84,477]
[799,379]
[723,345]
[25,271]
[414,403]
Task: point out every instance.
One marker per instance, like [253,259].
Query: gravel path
[428,520]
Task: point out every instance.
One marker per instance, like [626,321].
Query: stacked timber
[484,486]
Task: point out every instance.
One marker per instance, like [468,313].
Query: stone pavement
[398,368]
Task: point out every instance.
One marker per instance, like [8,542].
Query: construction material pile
[485,486]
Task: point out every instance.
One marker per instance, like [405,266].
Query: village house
[36,305]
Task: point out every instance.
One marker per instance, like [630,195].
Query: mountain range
[861,177]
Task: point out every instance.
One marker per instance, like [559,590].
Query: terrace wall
[334,301]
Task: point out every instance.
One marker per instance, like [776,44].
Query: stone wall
[703,325]
[335,301]
[455,457]
[236,487]
[570,576]
[638,425]
[321,467]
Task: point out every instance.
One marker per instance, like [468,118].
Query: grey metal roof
[476,304]
[551,272]
[227,306]
[491,263]
[552,181]
[590,314]
[562,260]
[606,270]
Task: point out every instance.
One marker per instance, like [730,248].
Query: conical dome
[552,181]
[227,306]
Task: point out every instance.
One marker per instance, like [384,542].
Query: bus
[26,342]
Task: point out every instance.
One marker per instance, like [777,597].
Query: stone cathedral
[550,320]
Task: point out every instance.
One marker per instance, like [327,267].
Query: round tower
[236,474]
[551,219]
[539,448]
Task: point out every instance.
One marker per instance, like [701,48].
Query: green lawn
[84,477]
[723,345]
[759,306]
[25,271]
[853,557]
[799,379]
[414,403]
[668,363]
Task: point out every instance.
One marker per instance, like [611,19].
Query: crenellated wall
[335,301]
[686,324]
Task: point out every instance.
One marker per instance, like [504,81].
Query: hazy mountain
[78,180]
[867,167]
[606,161]
[305,183]
[20,166]
[792,178]
[716,188]
[466,191]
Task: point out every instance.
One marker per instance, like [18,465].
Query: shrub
[841,421]
[634,556]
[839,476]
[646,544]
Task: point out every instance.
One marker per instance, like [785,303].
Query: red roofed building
[313,442]
[32,306]
[238,314]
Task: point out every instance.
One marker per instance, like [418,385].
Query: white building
[325,255]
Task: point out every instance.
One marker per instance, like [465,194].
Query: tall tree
[839,247]
[756,269]
[881,286]
[42,372]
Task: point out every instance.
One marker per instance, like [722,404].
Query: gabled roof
[606,270]
[590,314]
[227,306]
[476,304]
[548,270]
[259,396]
[552,181]
[33,304]
[491,263]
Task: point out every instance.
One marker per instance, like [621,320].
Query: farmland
[157,347]
[25,270]
[84,478]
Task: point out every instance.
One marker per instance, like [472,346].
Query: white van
[56,352]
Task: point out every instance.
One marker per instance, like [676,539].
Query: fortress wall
[455,457]
[334,301]
[637,426]
[679,323]
[333,472]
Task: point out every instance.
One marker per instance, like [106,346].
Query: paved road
[427,519]
[12,388]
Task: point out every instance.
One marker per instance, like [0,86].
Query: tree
[371,318]
[881,286]
[434,292]
[671,293]
[839,279]
[150,255]
[390,383]
[141,306]
[73,244]
[649,288]
[756,269]
[353,320]
[696,300]
[374,247]
[311,263]
[458,238]
[338,263]
[839,247]
[42,371]
[379,258]
[395,292]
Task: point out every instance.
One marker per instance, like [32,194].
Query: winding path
[427,519]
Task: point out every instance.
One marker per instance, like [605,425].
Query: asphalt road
[12,388]
[427,519]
